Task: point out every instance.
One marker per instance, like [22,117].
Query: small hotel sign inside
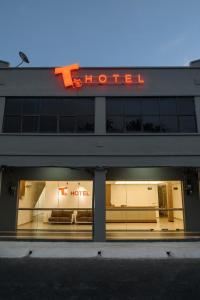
[102,79]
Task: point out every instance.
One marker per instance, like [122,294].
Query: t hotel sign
[70,80]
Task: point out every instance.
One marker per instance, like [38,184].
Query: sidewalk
[132,250]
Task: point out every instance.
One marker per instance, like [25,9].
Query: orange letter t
[66,73]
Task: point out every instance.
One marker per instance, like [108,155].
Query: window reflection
[49,115]
[115,124]
[85,124]
[151,114]
[151,124]
[169,123]
[133,124]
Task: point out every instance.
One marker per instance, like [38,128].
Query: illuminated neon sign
[102,79]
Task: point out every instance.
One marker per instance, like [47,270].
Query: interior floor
[162,223]
[111,236]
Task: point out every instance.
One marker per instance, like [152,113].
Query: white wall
[51,197]
[177,200]
[28,201]
[134,195]
[54,199]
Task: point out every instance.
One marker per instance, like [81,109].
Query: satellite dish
[24,58]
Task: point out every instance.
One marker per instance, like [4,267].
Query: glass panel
[133,123]
[61,206]
[30,106]
[67,124]
[48,124]
[133,207]
[115,106]
[49,106]
[133,107]
[151,124]
[68,107]
[185,106]
[187,124]
[85,124]
[12,124]
[84,106]
[115,124]
[168,106]
[72,107]
[150,106]
[29,124]
[169,124]
[13,107]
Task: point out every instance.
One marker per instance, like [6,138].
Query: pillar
[8,200]
[2,106]
[99,205]
[197,110]
[191,201]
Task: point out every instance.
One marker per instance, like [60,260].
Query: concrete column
[100,115]
[8,200]
[191,201]
[197,110]
[2,106]
[99,205]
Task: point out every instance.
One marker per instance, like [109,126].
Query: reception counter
[145,214]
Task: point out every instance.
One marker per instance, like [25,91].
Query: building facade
[99,153]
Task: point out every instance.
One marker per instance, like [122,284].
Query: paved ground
[99,278]
[133,250]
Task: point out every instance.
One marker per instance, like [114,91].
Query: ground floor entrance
[67,206]
[143,206]
[56,206]
[99,204]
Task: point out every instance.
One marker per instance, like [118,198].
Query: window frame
[39,113]
[177,116]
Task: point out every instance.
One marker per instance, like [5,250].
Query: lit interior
[56,205]
[144,205]
[130,206]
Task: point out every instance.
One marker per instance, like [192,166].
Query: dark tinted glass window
[49,115]
[115,107]
[48,124]
[85,124]
[169,123]
[29,124]
[151,124]
[30,106]
[67,124]
[84,107]
[115,124]
[68,107]
[13,107]
[132,107]
[133,124]
[150,106]
[187,124]
[185,106]
[151,114]
[72,107]
[49,106]
[168,106]
[11,124]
